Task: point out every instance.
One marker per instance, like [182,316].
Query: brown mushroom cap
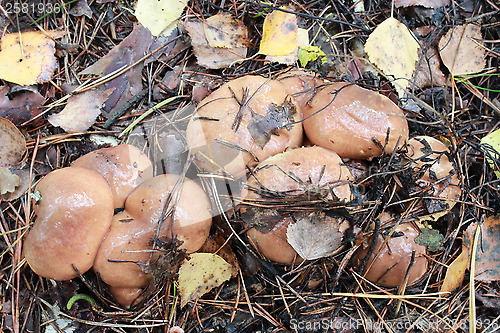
[124,167]
[73,216]
[428,155]
[389,262]
[301,85]
[127,248]
[126,296]
[316,171]
[220,145]
[346,118]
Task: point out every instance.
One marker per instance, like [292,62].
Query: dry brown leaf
[21,187]
[279,34]
[428,73]
[223,30]
[425,3]
[20,106]
[27,58]
[461,51]
[200,274]
[12,144]
[81,111]
[316,235]
[488,250]
[213,57]
[394,50]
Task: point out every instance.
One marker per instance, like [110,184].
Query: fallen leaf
[160,16]
[424,3]
[21,106]
[218,245]
[200,274]
[488,250]
[428,72]
[81,111]
[81,8]
[455,273]
[316,235]
[277,117]
[394,50]
[461,51]
[279,34]
[21,186]
[217,57]
[128,52]
[310,53]
[223,30]
[8,181]
[290,59]
[12,144]
[491,143]
[27,58]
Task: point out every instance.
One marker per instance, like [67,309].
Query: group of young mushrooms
[288,137]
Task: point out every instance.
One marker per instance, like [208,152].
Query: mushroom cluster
[76,228]
[256,124]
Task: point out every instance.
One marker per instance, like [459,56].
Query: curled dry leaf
[219,41]
[317,235]
[461,51]
[160,17]
[81,111]
[28,58]
[18,177]
[201,273]
[8,181]
[394,50]
[12,144]
[279,34]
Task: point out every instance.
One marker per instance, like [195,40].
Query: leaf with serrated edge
[201,273]
[460,51]
[394,50]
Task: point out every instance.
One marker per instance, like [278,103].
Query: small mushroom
[124,167]
[391,259]
[243,122]
[73,215]
[124,258]
[354,122]
[438,178]
[314,173]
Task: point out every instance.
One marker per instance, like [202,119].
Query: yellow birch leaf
[279,34]
[455,273]
[460,51]
[289,59]
[491,143]
[27,58]
[394,50]
[201,273]
[159,16]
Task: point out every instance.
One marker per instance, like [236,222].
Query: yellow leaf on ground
[460,51]
[455,273]
[201,273]
[27,58]
[279,34]
[289,59]
[81,111]
[159,16]
[491,143]
[394,50]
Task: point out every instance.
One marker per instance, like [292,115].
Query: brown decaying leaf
[460,51]
[316,235]
[81,111]
[233,43]
[8,181]
[138,43]
[22,181]
[12,144]
[21,106]
[425,3]
[428,73]
[81,8]
[28,58]
[488,250]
